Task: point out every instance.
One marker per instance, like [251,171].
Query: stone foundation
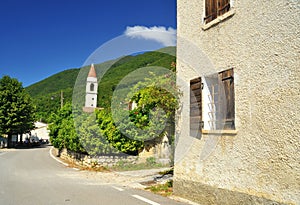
[99,161]
[208,195]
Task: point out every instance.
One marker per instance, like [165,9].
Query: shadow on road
[29,146]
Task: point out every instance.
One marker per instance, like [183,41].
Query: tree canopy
[16,108]
[62,130]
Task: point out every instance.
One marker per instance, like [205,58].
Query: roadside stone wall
[99,161]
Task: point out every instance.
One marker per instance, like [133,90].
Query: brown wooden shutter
[195,107]
[210,10]
[223,6]
[215,8]
[228,114]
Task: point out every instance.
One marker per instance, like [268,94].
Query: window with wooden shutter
[212,103]
[218,111]
[227,84]
[195,107]
[215,8]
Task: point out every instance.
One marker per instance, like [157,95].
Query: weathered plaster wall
[261,163]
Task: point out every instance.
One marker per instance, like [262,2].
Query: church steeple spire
[92,72]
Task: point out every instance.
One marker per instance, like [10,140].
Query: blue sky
[39,38]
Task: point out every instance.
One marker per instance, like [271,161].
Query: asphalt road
[32,177]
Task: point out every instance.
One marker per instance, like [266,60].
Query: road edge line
[145,200]
[50,152]
[117,188]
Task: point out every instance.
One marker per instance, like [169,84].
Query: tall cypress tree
[16,109]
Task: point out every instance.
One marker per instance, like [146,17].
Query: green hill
[54,83]
[47,93]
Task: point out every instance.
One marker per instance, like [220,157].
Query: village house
[237,132]
[41,131]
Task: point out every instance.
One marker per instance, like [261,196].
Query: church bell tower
[91,90]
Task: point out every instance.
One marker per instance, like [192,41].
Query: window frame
[224,115]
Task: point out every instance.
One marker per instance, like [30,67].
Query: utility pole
[61,99]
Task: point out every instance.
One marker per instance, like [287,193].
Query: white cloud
[163,35]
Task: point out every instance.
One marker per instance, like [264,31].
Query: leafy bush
[62,130]
[113,135]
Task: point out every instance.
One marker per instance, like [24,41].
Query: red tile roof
[92,72]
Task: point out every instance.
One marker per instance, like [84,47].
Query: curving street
[32,177]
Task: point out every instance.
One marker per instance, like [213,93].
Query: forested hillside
[126,65]
[47,93]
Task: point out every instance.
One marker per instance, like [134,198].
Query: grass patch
[149,164]
[162,189]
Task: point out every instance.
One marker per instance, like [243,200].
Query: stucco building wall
[41,131]
[259,161]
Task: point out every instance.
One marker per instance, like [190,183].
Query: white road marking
[50,152]
[145,200]
[76,169]
[117,188]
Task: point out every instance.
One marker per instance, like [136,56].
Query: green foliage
[151,160]
[157,91]
[94,142]
[126,65]
[162,189]
[156,99]
[62,130]
[127,166]
[16,108]
[105,136]
[113,135]
[141,126]
[53,84]
[46,94]
[51,103]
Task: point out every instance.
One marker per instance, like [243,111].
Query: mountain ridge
[47,93]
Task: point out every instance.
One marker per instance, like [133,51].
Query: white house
[41,131]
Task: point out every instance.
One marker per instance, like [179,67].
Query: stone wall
[258,163]
[99,161]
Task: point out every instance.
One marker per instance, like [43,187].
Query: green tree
[114,137]
[156,99]
[16,108]
[62,130]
